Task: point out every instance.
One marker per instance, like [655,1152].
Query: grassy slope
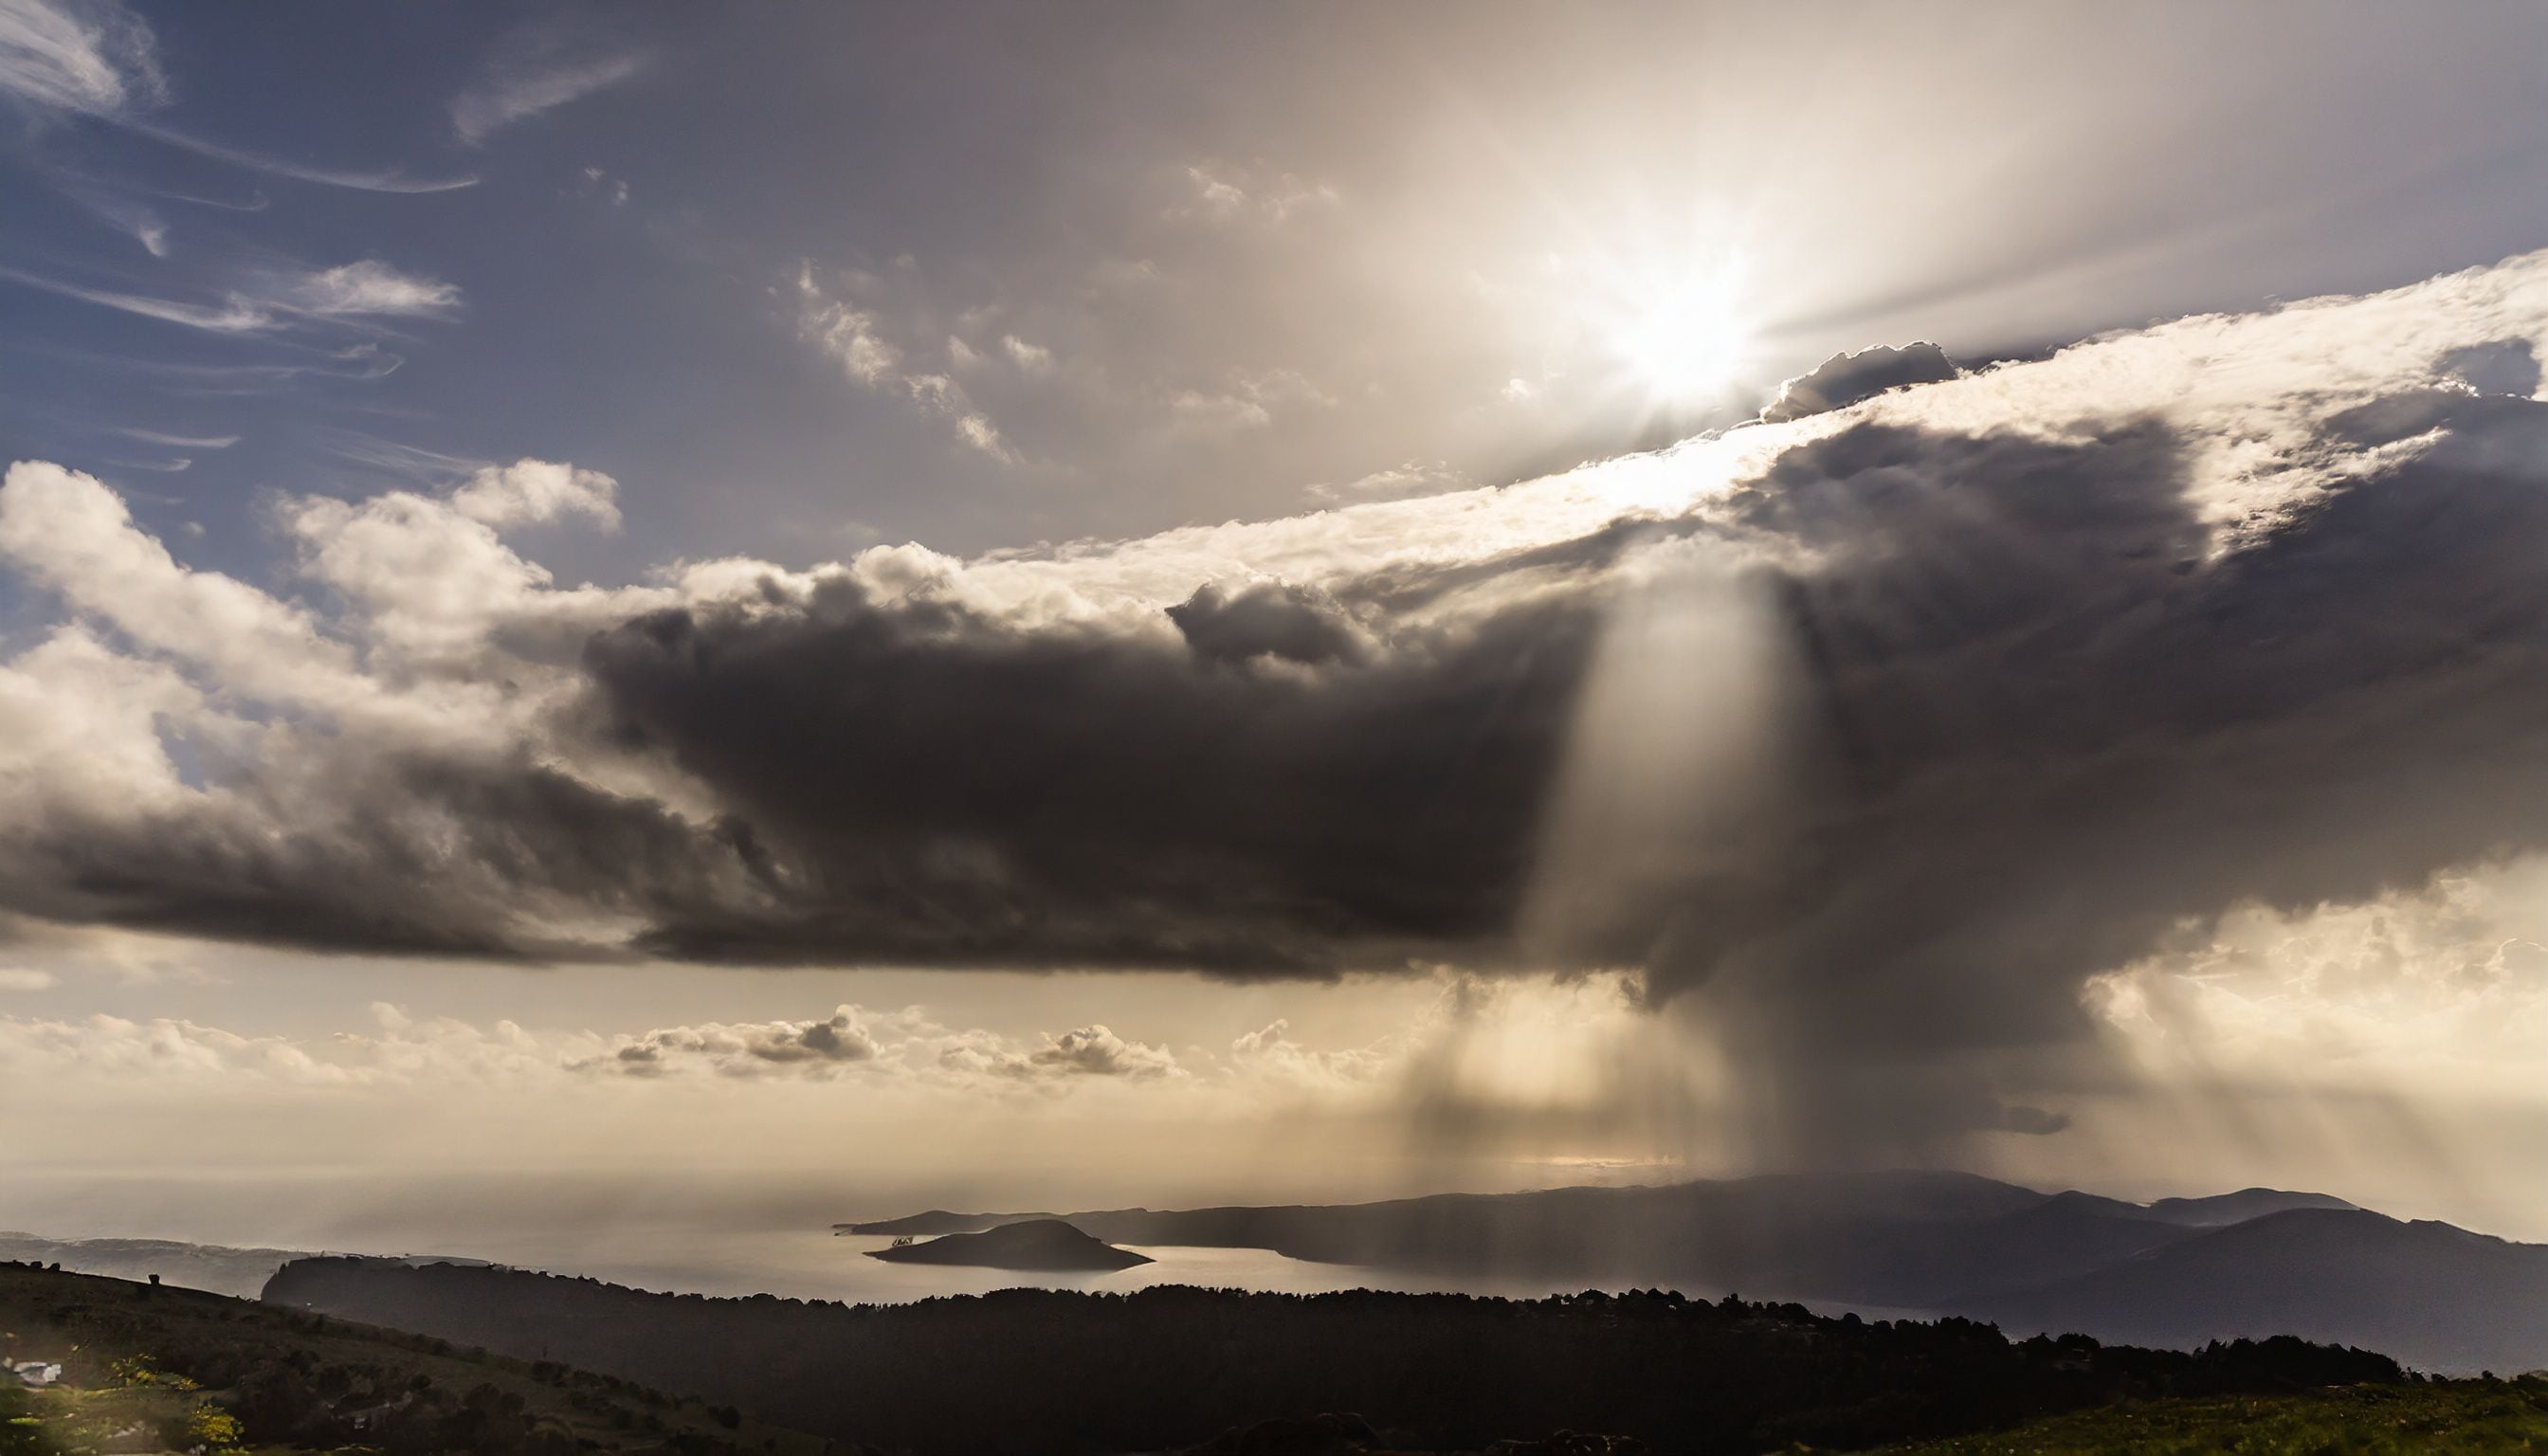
[89,1323]
[2463,1417]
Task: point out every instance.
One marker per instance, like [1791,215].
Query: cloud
[528,492]
[367,288]
[350,291]
[1034,359]
[1267,619]
[125,215]
[1876,735]
[1846,379]
[97,57]
[1249,403]
[744,1050]
[1217,193]
[391,180]
[519,87]
[1096,1051]
[235,316]
[1398,482]
[183,442]
[851,336]
[13,978]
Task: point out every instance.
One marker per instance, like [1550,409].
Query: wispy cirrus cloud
[234,314]
[390,179]
[267,303]
[181,443]
[521,86]
[99,59]
[96,58]
[366,288]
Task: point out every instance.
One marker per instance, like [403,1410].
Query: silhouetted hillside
[166,1365]
[2437,1297]
[1032,1371]
[1037,1245]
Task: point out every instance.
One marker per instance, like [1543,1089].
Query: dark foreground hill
[2467,1417]
[1038,1245]
[177,1369]
[2177,1272]
[1032,1371]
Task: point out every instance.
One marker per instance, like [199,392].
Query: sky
[801,616]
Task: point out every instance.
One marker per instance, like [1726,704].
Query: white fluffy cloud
[851,334]
[529,492]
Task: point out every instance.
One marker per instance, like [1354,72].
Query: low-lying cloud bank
[1915,713]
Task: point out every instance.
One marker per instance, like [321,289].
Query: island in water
[1038,1244]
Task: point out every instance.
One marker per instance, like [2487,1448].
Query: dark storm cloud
[415,856]
[2044,719]
[1266,619]
[2052,728]
[2057,682]
[1845,379]
[922,784]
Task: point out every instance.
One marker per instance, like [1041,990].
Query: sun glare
[1679,337]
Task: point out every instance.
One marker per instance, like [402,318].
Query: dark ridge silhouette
[1036,1244]
[1073,1374]
[2238,1208]
[2437,1297]
[1918,1240]
[2176,1272]
[933,1224]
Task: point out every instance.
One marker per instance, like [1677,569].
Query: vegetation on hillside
[149,1368]
[1074,1374]
[2466,1417]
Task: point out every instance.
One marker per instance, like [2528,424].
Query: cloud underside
[1903,721]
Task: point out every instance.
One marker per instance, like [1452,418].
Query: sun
[1678,335]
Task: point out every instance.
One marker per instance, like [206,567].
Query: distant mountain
[1894,1238]
[2238,1208]
[1038,1244]
[2178,1271]
[217,1268]
[213,1268]
[2434,1296]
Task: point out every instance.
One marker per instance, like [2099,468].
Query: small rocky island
[1041,1245]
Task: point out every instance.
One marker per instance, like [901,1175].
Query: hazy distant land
[2177,1272]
